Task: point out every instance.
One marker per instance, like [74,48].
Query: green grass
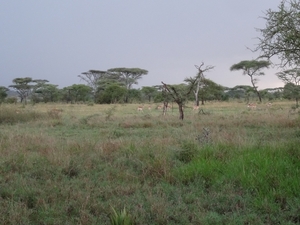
[74,167]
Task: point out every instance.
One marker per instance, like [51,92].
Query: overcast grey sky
[59,39]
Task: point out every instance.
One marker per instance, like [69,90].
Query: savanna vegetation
[97,164]
[106,153]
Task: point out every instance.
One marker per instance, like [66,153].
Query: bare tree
[198,81]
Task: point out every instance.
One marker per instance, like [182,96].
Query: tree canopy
[129,76]
[291,78]
[281,35]
[149,92]
[93,78]
[23,87]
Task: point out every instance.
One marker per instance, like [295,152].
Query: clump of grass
[110,112]
[90,103]
[120,218]
[204,138]
[136,124]
[187,152]
[91,120]
[72,170]
[55,113]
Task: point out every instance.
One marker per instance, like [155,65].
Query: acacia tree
[92,78]
[281,35]
[252,68]
[197,81]
[292,80]
[22,87]
[129,76]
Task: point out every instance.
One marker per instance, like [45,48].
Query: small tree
[149,92]
[3,93]
[133,95]
[291,78]
[291,91]
[34,94]
[178,96]
[252,68]
[113,93]
[48,92]
[80,92]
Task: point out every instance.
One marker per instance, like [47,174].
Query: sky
[58,40]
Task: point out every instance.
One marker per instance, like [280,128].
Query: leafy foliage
[129,76]
[281,35]
[149,92]
[113,93]
[92,78]
[3,93]
[47,92]
[292,80]
[77,92]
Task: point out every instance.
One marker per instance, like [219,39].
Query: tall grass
[74,167]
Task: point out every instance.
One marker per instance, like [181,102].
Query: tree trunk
[165,108]
[196,98]
[181,114]
[257,92]
[202,101]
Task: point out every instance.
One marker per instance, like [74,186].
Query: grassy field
[75,164]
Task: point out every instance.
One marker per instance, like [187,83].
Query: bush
[11,100]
